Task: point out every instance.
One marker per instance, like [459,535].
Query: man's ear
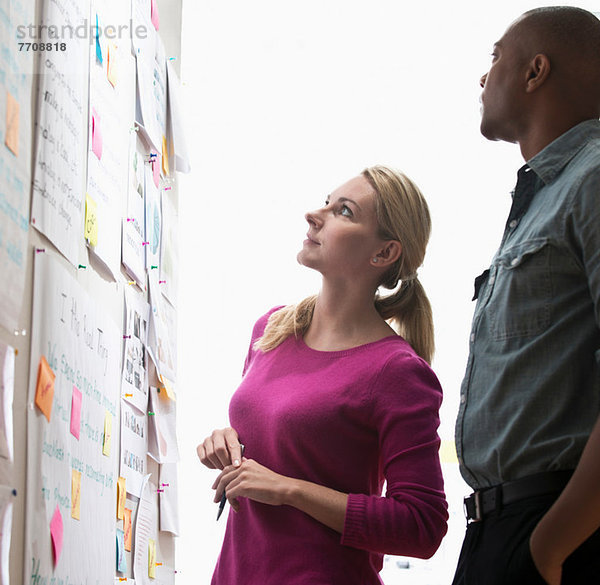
[388,253]
[537,72]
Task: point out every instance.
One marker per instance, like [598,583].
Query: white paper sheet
[6,509]
[145,529]
[82,345]
[181,160]
[134,447]
[134,382]
[162,334]
[169,504]
[7,384]
[169,257]
[153,220]
[133,253]
[152,95]
[112,108]
[162,430]
[15,169]
[60,164]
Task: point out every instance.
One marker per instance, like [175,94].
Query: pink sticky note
[96,135]
[56,531]
[156,169]
[154,14]
[76,412]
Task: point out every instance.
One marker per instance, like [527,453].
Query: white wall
[286,101]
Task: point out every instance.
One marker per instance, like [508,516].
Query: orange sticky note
[107,434]
[165,157]
[12,124]
[151,559]
[56,533]
[121,493]
[127,528]
[111,67]
[168,388]
[75,494]
[91,221]
[44,390]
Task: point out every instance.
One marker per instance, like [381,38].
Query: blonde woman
[334,402]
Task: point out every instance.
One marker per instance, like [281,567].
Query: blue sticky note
[98,47]
[121,560]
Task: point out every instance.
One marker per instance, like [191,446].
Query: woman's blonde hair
[403,215]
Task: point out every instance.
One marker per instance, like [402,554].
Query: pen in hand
[224,496]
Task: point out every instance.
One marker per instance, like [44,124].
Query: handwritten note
[165,157]
[154,14]
[107,434]
[7,384]
[56,533]
[76,494]
[127,528]
[112,64]
[12,124]
[98,47]
[44,392]
[121,559]
[76,412]
[96,135]
[151,558]
[61,129]
[121,494]
[91,221]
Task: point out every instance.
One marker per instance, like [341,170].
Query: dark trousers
[496,550]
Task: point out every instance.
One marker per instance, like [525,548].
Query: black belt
[480,503]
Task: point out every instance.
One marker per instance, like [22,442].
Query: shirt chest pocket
[520,301]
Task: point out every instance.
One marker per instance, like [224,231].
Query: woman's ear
[387,254]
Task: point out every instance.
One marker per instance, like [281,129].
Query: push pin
[82,266]
[38,250]
[153,267]
[150,413]
[162,282]
[126,336]
[128,395]
[145,243]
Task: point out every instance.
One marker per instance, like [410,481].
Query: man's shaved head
[570,38]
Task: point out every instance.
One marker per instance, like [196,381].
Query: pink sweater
[349,420]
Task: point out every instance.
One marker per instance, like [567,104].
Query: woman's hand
[221,449]
[254,481]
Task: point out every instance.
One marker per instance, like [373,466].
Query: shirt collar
[551,160]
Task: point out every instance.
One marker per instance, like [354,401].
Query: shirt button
[463,398]
[513,224]
[472,337]
[491,280]
[514,261]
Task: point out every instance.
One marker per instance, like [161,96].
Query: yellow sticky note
[91,221]
[107,434]
[75,494]
[44,390]
[151,558]
[121,498]
[165,157]
[12,124]
[167,387]
[111,67]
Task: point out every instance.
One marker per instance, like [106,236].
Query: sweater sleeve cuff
[354,522]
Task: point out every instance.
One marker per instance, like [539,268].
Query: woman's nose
[313,218]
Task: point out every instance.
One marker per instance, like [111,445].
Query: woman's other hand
[221,449]
[254,481]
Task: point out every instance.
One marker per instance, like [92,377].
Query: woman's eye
[345,210]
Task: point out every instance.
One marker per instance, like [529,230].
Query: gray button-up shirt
[531,392]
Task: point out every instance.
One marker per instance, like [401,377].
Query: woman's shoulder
[261,323]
